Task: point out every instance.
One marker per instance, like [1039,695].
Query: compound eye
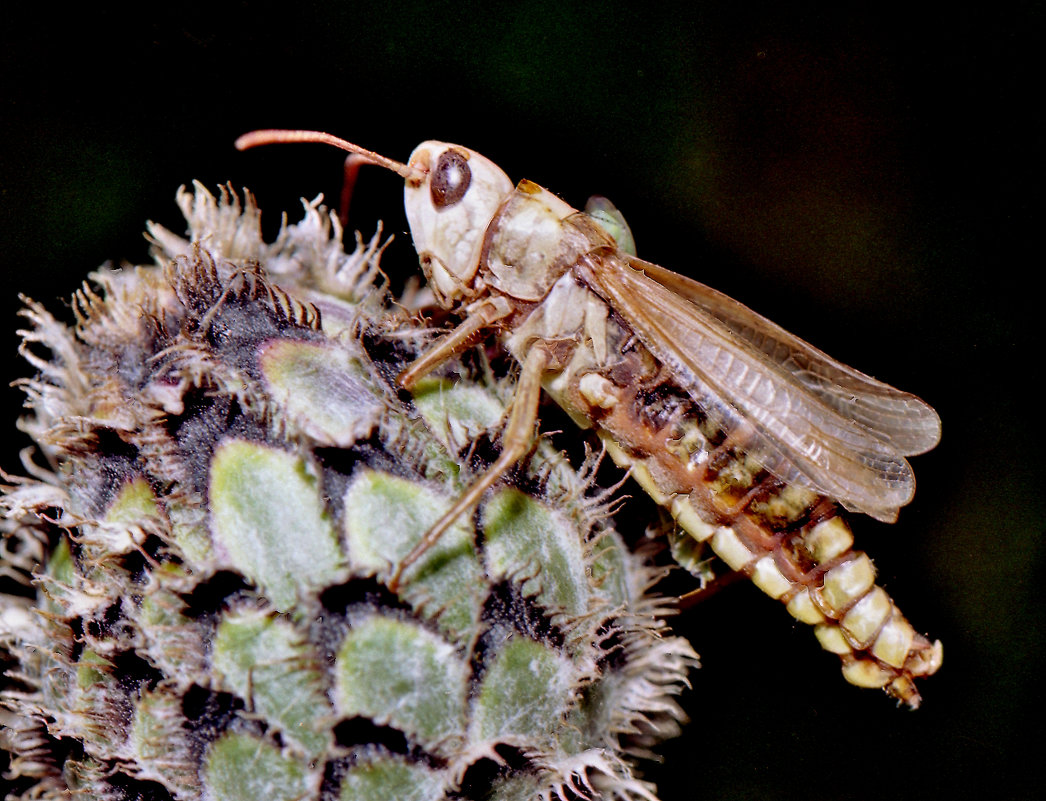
[450,179]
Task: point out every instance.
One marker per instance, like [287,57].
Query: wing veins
[803,432]
[904,420]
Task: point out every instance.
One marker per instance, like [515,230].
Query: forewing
[796,427]
[910,425]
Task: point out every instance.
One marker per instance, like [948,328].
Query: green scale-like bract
[226,477]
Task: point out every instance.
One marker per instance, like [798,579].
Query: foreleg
[483,316]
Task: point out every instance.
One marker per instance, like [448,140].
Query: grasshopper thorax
[448,208]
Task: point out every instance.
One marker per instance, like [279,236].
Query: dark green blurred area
[867,178]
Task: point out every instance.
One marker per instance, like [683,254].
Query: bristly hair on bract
[195,564]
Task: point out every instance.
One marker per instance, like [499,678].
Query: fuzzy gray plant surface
[197,561]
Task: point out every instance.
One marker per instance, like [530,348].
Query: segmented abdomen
[791,542]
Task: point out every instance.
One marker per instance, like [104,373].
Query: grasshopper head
[450,197]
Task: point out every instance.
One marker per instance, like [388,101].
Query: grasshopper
[750,437]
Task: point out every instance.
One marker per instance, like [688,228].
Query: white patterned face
[450,197]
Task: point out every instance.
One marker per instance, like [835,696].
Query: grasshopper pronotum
[748,435]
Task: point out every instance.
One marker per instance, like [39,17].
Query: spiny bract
[197,566]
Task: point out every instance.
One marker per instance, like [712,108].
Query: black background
[866,178]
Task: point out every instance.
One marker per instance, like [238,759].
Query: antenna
[274,136]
